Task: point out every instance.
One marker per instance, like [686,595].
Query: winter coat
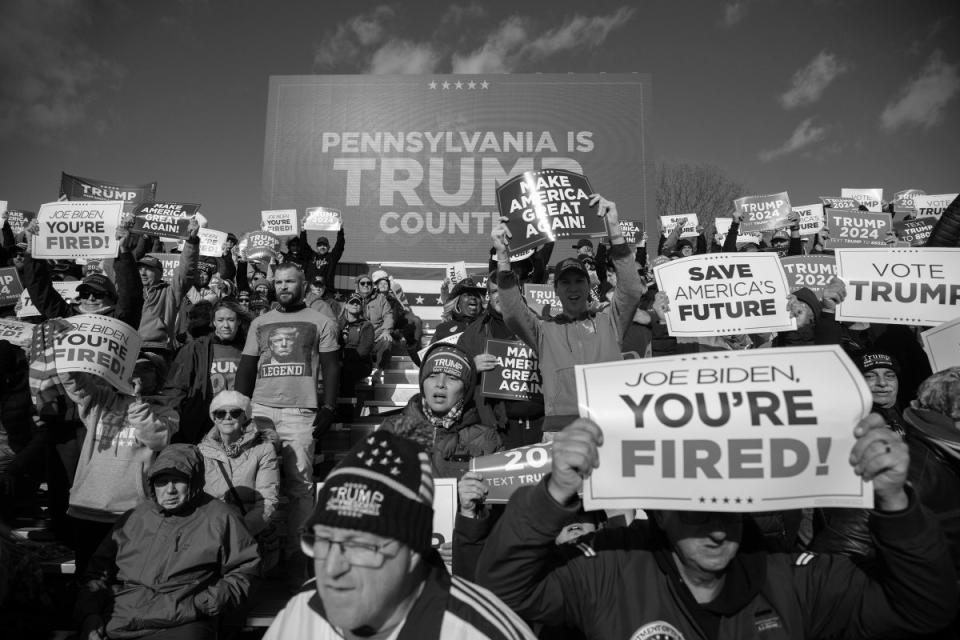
[934,474]
[159,569]
[189,387]
[122,436]
[378,311]
[253,468]
[450,450]
[161,301]
[495,411]
[624,583]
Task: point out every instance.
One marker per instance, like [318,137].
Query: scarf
[446,421]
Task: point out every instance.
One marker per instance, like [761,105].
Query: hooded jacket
[253,468]
[160,569]
[450,449]
[122,436]
[161,301]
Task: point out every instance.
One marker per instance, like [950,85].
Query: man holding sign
[578,335]
[704,574]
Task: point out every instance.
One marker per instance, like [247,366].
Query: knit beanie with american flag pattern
[385,487]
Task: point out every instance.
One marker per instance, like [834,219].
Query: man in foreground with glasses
[376,573]
[705,574]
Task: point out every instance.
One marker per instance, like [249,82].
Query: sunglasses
[221,414]
[365,283]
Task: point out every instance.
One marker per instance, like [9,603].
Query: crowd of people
[180,498]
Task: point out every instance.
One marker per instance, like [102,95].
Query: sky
[807,97]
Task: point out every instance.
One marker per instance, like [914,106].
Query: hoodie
[123,433]
[160,569]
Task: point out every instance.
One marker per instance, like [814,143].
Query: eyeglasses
[365,283]
[221,414]
[90,293]
[358,554]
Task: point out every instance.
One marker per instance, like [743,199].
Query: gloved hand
[323,421]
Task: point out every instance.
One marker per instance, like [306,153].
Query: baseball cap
[570,264]
[98,282]
[150,262]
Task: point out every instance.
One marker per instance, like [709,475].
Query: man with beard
[286,392]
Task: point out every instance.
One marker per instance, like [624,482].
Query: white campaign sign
[811,218]
[444,509]
[723,227]
[457,271]
[86,229]
[322,219]
[916,286]
[67,291]
[101,346]
[725,293]
[872,199]
[933,206]
[754,430]
[942,344]
[281,222]
[688,220]
[16,332]
[212,243]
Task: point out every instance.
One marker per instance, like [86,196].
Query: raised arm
[516,314]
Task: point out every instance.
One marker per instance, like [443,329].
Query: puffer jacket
[450,450]
[161,301]
[253,469]
[122,437]
[159,569]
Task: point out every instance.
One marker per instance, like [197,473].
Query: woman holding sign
[442,418]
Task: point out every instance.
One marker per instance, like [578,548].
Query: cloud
[923,100]
[353,37]
[803,136]
[403,56]
[514,42]
[373,42]
[733,13]
[52,80]
[811,81]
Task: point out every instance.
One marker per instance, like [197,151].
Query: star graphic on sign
[397,460]
[459,85]
[419,299]
[713,500]
[375,452]
[702,500]
[360,454]
[394,471]
[369,462]
[738,500]
[439,300]
[433,84]
[726,501]
[385,461]
[471,85]
[446,85]
[484,85]
[749,500]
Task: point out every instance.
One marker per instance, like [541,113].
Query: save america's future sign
[413,162]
